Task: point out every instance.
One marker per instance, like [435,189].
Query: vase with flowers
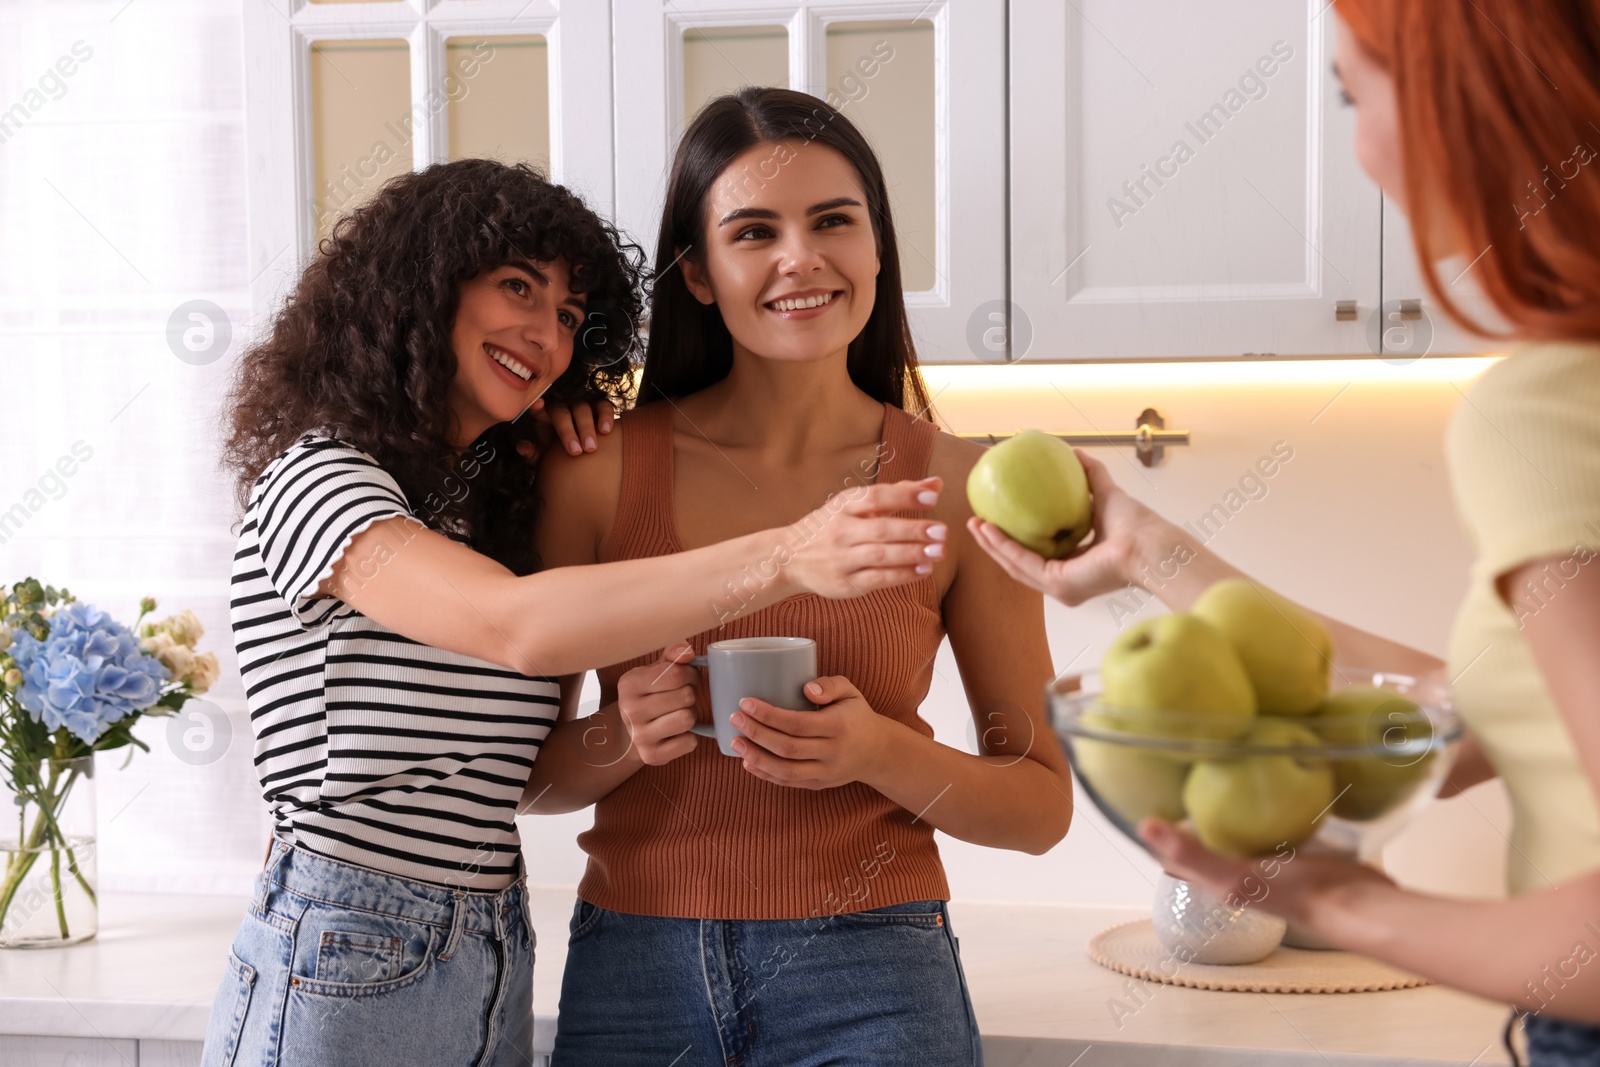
[73,682]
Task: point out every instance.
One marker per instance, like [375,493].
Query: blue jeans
[1558,1043]
[881,987]
[337,964]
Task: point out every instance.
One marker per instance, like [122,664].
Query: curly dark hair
[362,350]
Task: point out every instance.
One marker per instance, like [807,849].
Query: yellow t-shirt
[1524,455]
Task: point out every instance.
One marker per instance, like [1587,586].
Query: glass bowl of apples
[1343,777]
[1233,717]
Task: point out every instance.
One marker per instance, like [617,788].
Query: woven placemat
[1132,949]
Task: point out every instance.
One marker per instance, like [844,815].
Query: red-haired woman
[1477,117]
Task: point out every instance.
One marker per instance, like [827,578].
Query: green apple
[1248,805]
[1286,652]
[1133,783]
[1175,676]
[1033,487]
[1373,785]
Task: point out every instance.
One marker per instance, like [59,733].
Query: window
[720,60]
[882,74]
[500,99]
[360,122]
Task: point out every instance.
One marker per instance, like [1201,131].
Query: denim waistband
[305,874]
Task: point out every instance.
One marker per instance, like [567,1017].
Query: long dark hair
[690,346]
[362,347]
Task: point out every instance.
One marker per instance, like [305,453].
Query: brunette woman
[1477,117]
[787,905]
[398,640]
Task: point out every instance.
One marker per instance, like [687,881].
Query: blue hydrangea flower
[87,674]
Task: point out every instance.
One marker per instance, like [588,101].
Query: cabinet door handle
[1410,309]
[1344,311]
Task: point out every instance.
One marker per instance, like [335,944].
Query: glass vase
[47,844]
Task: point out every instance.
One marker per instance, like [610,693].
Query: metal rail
[1150,438]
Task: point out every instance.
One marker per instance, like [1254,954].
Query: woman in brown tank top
[788,905]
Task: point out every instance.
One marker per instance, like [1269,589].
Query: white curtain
[122,184]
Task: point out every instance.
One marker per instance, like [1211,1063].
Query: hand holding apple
[1108,563]
[1034,488]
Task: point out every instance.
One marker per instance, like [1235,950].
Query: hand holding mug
[657,702]
[843,741]
[774,669]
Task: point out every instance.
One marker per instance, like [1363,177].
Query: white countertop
[151,974]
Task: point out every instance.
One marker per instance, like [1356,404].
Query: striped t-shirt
[371,748]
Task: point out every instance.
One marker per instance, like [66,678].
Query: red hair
[1498,103]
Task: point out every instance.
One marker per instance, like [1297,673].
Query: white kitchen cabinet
[952,231]
[1183,185]
[289,184]
[27,1051]
[170,1053]
[1093,180]
[1410,322]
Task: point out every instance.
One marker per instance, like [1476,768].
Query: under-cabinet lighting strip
[1032,375]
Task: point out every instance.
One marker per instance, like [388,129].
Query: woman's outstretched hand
[855,543]
[839,743]
[1106,564]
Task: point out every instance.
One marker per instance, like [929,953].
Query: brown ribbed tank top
[701,837]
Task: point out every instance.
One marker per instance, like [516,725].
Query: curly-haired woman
[399,643]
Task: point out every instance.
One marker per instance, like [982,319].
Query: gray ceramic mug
[773,669]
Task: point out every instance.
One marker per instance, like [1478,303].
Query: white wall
[144,154]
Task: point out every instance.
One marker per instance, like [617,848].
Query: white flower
[13,677]
[204,672]
[5,638]
[184,627]
[175,657]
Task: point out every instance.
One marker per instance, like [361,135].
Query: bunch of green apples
[1243,665]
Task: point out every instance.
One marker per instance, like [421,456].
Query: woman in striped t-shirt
[397,641]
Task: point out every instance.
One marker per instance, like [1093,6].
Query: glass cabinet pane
[499,98]
[361,122]
[881,76]
[721,60]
